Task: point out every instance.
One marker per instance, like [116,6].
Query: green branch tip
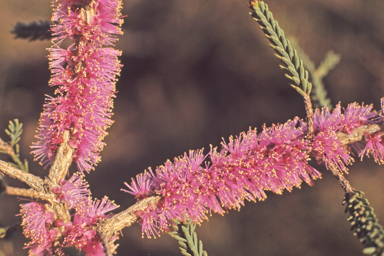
[14,131]
[186,236]
[364,223]
[282,47]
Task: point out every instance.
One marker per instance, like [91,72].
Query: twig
[107,248]
[6,148]
[29,179]
[125,218]
[309,111]
[358,133]
[63,160]
[29,193]
[342,180]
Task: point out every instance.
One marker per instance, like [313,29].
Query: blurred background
[197,71]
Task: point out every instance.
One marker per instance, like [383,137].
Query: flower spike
[276,159]
[86,75]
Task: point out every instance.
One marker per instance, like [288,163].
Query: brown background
[196,71]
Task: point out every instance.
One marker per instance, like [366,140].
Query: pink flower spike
[86,73]
[100,208]
[34,228]
[374,146]
[75,191]
[328,148]
[142,187]
[245,167]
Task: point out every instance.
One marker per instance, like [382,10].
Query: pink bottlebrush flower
[247,166]
[98,209]
[150,221]
[327,148]
[323,119]
[243,169]
[352,117]
[143,186]
[283,164]
[86,74]
[35,219]
[41,225]
[81,232]
[356,116]
[374,146]
[74,191]
[84,239]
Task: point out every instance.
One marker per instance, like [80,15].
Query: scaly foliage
[284,51]
[32,31]
[187,238]
[12,148]
[364,223]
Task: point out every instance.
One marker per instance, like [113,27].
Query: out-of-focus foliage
[365,225]
[32,31]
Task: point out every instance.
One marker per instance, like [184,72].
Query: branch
[342,180]
[63,160]
[358,133]
[6,148]
[29,193]
[125,218]
[31,180]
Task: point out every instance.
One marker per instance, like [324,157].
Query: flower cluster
[250,164]
[86,74]
[49,234]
